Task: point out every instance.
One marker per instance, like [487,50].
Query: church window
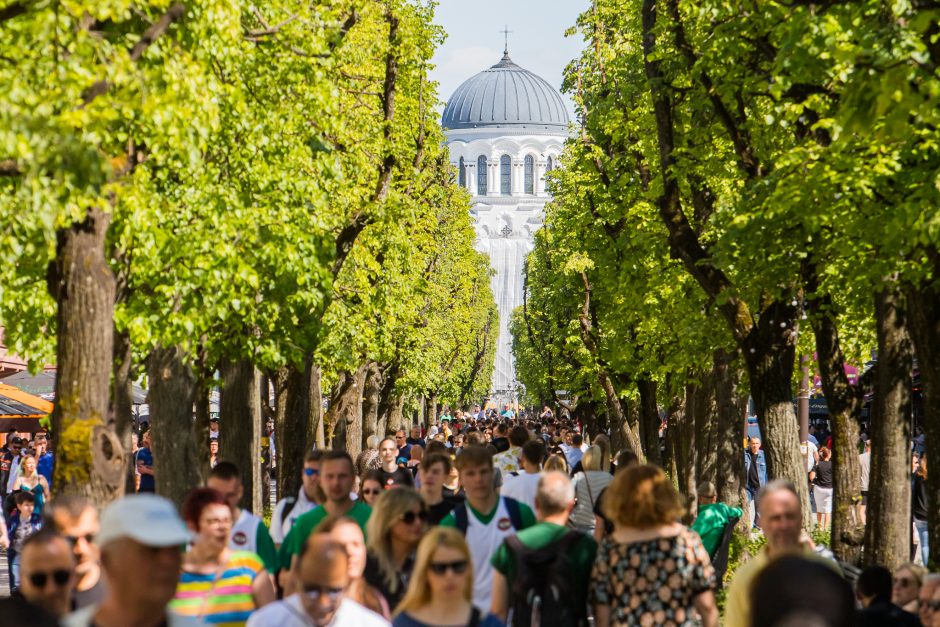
[505,175]
[550,165]
[461,174]
[529,175]
[481,176]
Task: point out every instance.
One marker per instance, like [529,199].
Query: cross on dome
[506,33]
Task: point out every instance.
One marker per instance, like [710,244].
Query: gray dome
[506,96]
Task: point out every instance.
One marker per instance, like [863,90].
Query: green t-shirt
[580,556]
[306,523]
[711,522]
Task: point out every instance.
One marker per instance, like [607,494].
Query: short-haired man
[76,519]
[44,459]
[337,475]
[755,476]
[508,461]
[485,519]
[249,533]
[415,437]
[523,485]
[143,461]
[290,508]
[574,453]
[873,591]
[713,517]
[404,449]
[864,464]
[140,542]
[432,473]
[500,437]
[47,572]
[782,519]
[574,551]
[322,574]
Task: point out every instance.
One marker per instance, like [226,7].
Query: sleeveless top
[38,494]
[223,599]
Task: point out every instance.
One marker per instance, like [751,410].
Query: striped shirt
[230,600]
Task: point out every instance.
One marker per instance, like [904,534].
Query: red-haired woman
[218,585]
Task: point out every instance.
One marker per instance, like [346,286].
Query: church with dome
[505,129]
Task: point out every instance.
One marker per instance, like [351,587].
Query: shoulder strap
[515,514]
[461,518]
[289,503]
[474,618]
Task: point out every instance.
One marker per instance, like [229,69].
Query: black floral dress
[653,582]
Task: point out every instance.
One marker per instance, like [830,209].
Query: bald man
[573,552]
[322,574]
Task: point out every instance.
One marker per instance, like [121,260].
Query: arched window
[550,165]
[461,175]
[481,176]
[529,175]
[505,175]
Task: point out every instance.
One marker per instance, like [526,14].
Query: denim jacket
[761,466]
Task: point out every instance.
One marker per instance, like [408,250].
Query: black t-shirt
[919,498]
[753,477]
[448,492]
[439,511]
[401,476]
[501,444]
[608,526]
[374,577]
[823,474]
[92,596]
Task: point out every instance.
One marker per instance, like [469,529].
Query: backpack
[540,594]
[461,515]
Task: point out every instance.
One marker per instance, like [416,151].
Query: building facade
[505,129]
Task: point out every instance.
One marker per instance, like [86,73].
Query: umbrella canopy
[20,410]
[43,384]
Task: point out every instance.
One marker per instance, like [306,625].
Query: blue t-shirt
[44,466]
[147,483]
[404,620]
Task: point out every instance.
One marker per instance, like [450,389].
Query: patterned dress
[652,582]
[226,600]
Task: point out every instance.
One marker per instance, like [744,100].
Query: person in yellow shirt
[781,521]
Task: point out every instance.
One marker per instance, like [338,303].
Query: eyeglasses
[315,592]
[60,577]
[311,472]
[409,517]
[73,540]
[439,568]
[933,606]
[372,491]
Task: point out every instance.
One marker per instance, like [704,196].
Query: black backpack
[541,593]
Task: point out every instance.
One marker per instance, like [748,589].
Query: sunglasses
[933,606]
[311,472]
[372,491]
[315,592]
[60,577]
[903,582]
[409,517]
[439,568]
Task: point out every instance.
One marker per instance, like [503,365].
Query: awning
[20,410]
[43,384]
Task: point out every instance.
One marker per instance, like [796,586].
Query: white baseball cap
[146,518]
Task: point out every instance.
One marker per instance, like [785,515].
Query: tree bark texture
[90,457]
[316,430]
[686,449]
[346,411]
[370,401]
[122,402]
[299,401]
[706,448]
[240,428]
[674,418]
[176,463]
[389,397]
[430,413]
[887,515]
[730,430]
[649,420]
[924,320]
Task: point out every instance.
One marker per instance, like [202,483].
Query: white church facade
[505,129]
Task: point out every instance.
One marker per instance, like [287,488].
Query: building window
[550,165]
[481,176]
[461,175]
[529,175]
[505,175]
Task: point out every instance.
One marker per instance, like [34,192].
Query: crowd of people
[478,520]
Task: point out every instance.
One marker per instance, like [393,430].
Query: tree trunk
[729,475]
[89,454]
[924,320]
[370,401]
[706,449]
[346,411]
[887,518]
[430,414]
[649,420]
[240,429]
[123,403]
[300,399]
[175,458]
[396,415]
[388,398]
[686,448]
[278,379]
[674,420]
[205,375]
[316,438]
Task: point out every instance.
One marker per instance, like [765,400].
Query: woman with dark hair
[821,476]
[371,487]
[651,570]
[919,506]
[218,585]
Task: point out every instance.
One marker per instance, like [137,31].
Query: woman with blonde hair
[441,587]
[30,480]
[393,532]
[905,586]
[557,462]
[651,570]
[588,485]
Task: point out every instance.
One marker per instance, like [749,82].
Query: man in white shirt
[523,485]
[322,574]
[864,462]
[249,532]
[290,508]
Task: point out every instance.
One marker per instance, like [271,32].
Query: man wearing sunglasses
[47,572]
[291,508]
[928,605]
[322,575]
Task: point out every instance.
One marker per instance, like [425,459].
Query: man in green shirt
[554,500]
[713,517]
[336,480]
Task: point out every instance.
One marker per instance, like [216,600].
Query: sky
[475,41]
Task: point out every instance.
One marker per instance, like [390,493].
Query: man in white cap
[140,539]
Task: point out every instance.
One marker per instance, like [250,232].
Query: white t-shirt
[84,616]
[245,532]
[864,460]
[279,529]
[522,487]
[810,452]
[290,613]
[483,540]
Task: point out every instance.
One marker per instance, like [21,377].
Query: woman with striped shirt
[217,585]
